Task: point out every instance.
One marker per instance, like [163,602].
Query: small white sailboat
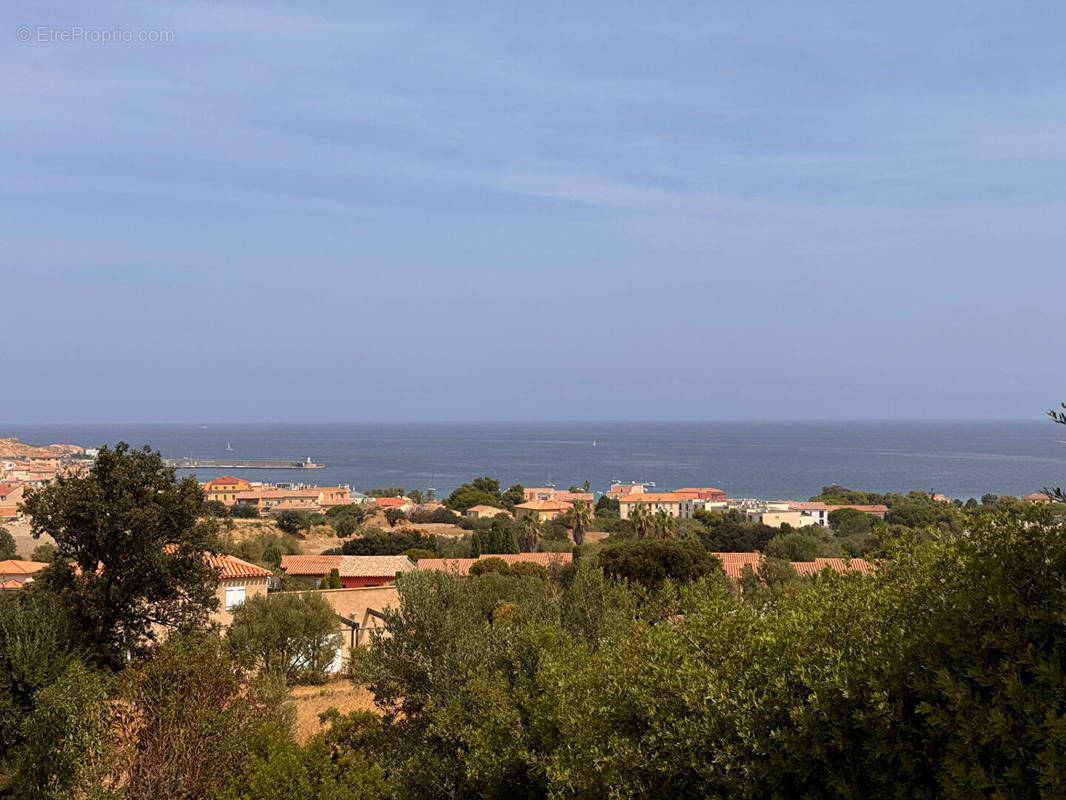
[229,447]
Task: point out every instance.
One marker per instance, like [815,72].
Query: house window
[234,597]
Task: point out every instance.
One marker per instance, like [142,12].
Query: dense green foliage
[845,686]
[376,542]
[44,553]
[805,544]
[292,521]
[640,671]
[652,561]
[479,492]
[8,549]
[130,551]
[484,492]
[289,635]
[394,515]
[35,649]
[265,548]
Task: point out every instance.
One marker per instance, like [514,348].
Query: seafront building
[225,489]
[542,510]
[672,503]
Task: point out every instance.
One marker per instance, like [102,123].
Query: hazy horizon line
[627,420]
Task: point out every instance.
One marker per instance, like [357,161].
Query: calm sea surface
[764,459]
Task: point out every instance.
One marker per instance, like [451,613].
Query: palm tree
[580,520]
[640,516]
[528,532]
[663,525]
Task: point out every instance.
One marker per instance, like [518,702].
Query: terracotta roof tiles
[461,566]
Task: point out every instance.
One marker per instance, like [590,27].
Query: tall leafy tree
[129,551]
[528,533]
[580,520]
[8,548]
[291,635]
[640,516]
[663,525]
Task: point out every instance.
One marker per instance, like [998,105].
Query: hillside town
[325,587]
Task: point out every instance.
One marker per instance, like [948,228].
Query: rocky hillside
[13,448]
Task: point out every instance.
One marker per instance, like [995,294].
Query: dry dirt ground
[319,538]
[25,543]
[310,701]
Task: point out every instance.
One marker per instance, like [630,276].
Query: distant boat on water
[229,447]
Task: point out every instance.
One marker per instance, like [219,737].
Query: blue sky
[428,211]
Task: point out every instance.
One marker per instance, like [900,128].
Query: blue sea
[790,460]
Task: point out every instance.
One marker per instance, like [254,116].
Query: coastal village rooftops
[486,508]
[1036,497]
[816,505]
[567,496]
[702,492]
[733,564]
[227,480]
[835,564]
[295,504]
[279,494]
[374,566]
[16,567]
[548,493]
[545,505]
[230,567]
[347,566]
[391,502]
[461,566]
[310,565]
[654,497]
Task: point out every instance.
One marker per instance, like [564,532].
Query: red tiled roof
[16,567]
[835,564]
[6,489]
[487,508]
[227,480]
[733,564]
[461,566]
[653,497]
[232,567]
[804,505]
[277,494]
[545,505]
[347,566]
[391,502]
[374,566]
[877,508]
[310,565]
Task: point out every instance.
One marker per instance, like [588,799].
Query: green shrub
[292,521]
[487,565]
[416,553]
[651,561]
[290,635]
